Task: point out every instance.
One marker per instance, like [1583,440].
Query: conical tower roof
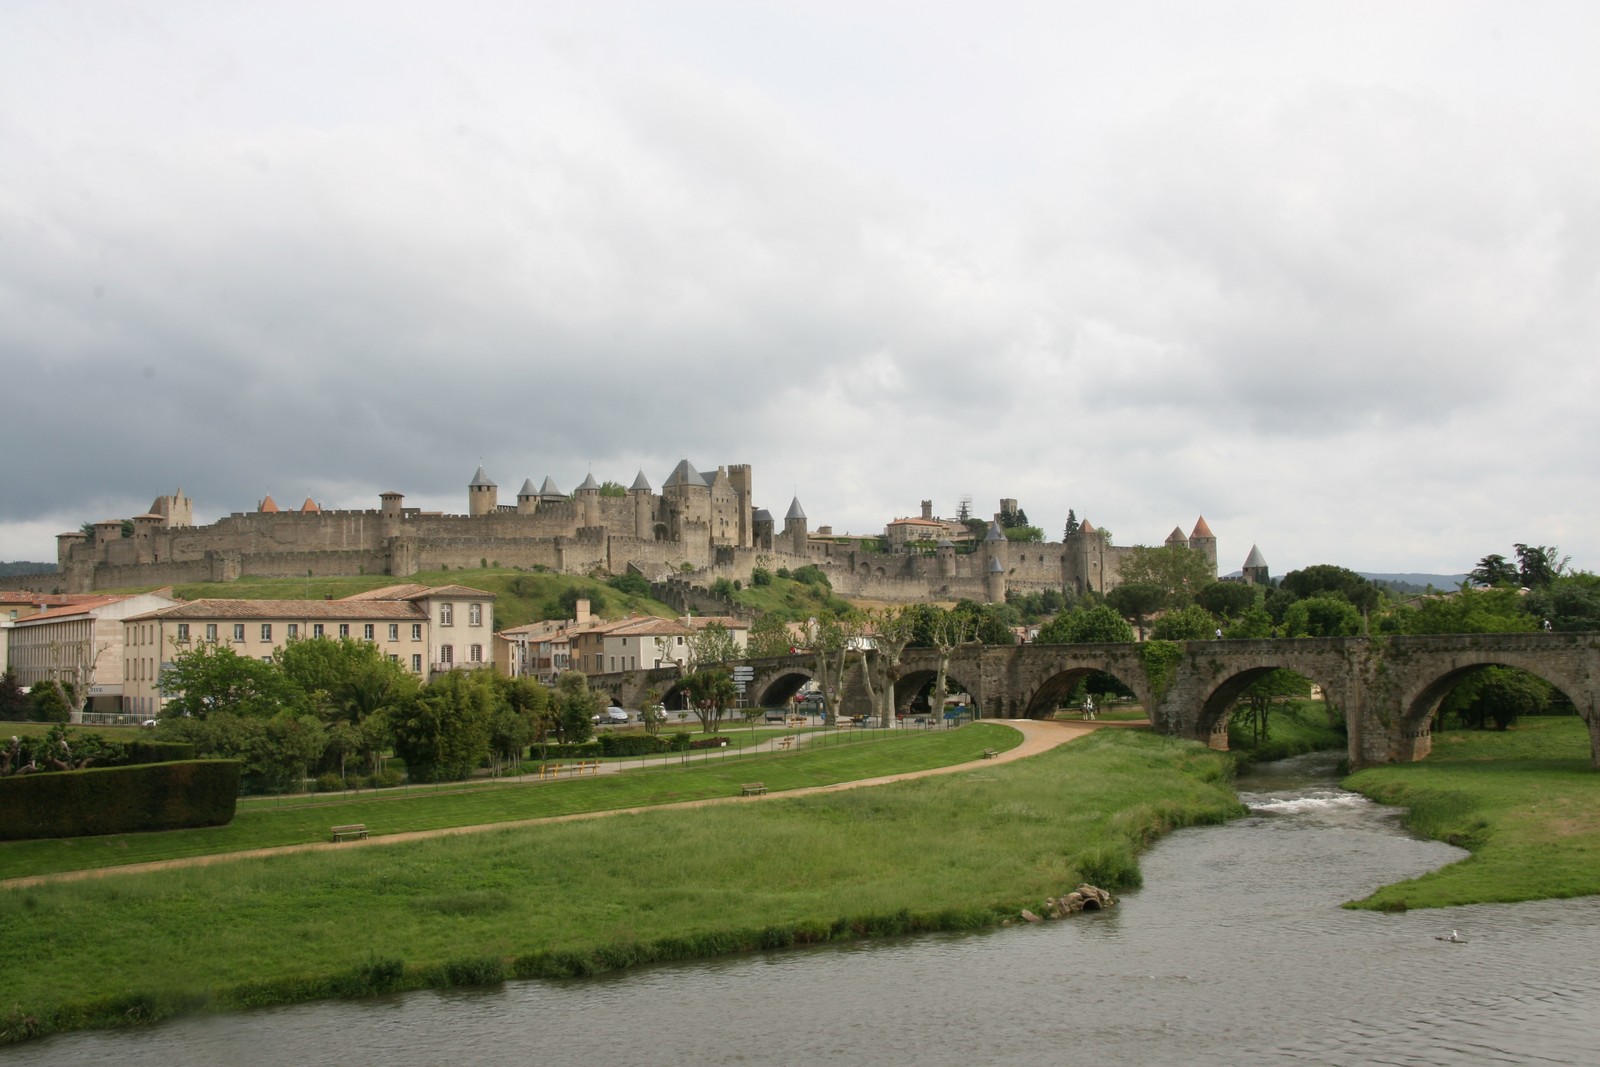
[527,488]
[1254,559]
[1202,530]
[1086,527]
[549,488]
[684,474]
[481,480]
[1176,535]
[641,482]
[589,483]
[309,506]
[795,510]
[996,567]
[268,504]
[995,532]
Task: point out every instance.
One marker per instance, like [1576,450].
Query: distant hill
[12,570]
[1416,583]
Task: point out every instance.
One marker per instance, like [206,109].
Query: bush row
[115,800]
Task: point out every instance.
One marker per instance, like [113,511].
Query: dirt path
[1037,737]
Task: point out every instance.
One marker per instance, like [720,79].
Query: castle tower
[1175,539]
[947,557]
[1203,540]
[527,498]
[483,496]
[743,482]
[643,509]
[588,495]
[794,529]
[391,504]
[175,510]
[761,529]
[994,583]
[927,510]
[1255,567]
[995,545]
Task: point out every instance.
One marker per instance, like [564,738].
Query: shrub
[387,780]
[330,783]
[109,800]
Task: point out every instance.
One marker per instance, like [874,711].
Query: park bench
[752,789]
[990,753]
[785,742]
[589,766]
[355,829]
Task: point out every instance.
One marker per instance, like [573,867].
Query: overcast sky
[1325,273]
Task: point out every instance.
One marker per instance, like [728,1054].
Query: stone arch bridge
[1388,688]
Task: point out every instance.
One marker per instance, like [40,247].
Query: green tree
[1539,565]
[14,703]
[1571,603]
[631,583]
[1181,572]
[988,622]
[1025,535]
[1253,624]
[568,599]
[711,644]
[443,735]
[575,706]
[1470,611]
[209,678]
[613,489]
[1188,623]
[711,693]
[1325,579]
[1086,625]
[1496,696]
[53,703]
[1227,600]
[769,636]
[1137,601]
[1326,615]
[1072,526]
[1253,710]
[1494,570]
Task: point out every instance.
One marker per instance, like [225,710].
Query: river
[1235,952]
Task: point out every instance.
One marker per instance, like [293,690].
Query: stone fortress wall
[698,527]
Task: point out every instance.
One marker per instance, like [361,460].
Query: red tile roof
[387,610]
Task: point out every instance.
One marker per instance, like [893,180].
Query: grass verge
[948,852]
[299,820]
[1525,802]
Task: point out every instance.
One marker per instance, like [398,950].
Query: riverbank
[1524,802]
[957,851]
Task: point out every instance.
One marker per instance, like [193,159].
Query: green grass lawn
[953,851]
[1525,801]
[268,822]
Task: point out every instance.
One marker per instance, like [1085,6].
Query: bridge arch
[1420,702]
[777,687]
[1216,709]
[1043,701]
[914,683]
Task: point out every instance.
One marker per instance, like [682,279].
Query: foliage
[1325,615]
[1177,570]
[1086,625]
[711,693]
[1137,601]
[811,574]
[1036,606]
[769,636]
[711,644]
[1252,711]
[567,601]
[209,678]
[1160,659]
[1468,611]
[988,623]
[1072,526]
[60,749]
[1326,579]
[1497,696]
[110,800]
[1539,565]
[444,734]
[1027,535]
[574,708]
[1188,623]
[723,588]
[760,576]
[1253,624]
[1228,600]
[1494,570]
[630,584]
[14,703]
[613,489]
[53,703]
[275,751]
[1571,603]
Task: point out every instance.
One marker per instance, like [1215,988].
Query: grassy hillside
[522,596]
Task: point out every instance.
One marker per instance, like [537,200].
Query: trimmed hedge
[158,751]
[116,800]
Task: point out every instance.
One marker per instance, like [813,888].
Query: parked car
[777,715]
[611,717]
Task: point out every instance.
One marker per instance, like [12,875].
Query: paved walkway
[1037,737]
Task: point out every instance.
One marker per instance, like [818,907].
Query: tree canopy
[1179,571]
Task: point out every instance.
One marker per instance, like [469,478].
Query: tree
[1326,615]
[575,706]
[1010,519]
[1072,526]
[1137,601]
[891,631]
[443,734]
[1470,611]
[1571,603]
[711,693]
[1328,579]
[1027,535]
[610,488]
[1179,571]
[1494,570]
[1188,623]
[210,678]
[1253,624]
[989,625]
[14,703]
[830,638]
[1497,695]
[1539,565]
[630,584]
[1086,625]
[1227,600]
[1257,701]
[568,599]
[711,644]
[769,636]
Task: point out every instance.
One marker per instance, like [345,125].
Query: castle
[699,527]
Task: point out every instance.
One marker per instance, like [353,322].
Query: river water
[1235,952]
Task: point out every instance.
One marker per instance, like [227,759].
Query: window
[211,631]
[476,653]
[447,614]
[183,631]
[394,631]
[474,614]
[344,629]
[416,631]
[393,658]
[316,629]
[294,630]
[266,631]
[366,631]
[416,662]
[238,631]
[266,659]
[447,655]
